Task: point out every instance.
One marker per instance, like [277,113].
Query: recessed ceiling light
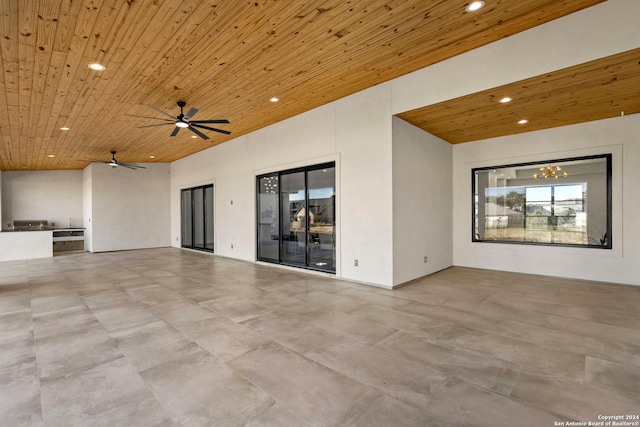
[65,128]
[523,121]
[194,136]
[474,5]
[152,157]
[274,99]
[505,100]
[97,67]
[51,155]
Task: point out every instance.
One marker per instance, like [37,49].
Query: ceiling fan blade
[175,131]
[157,124]
[132,166]
[149,117]
[197,132]
[192,112]
[210,121]
[160,111]
[226,132]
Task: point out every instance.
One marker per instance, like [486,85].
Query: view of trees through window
[561,202]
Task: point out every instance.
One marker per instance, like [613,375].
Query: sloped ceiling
[228,58]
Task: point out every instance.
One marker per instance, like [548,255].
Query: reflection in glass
[322,237]
[566,202]
[268,219]
[296,217]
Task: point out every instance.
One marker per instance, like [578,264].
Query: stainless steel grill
[31,225]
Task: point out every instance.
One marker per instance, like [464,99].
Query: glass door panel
[294,218]
[322,235]
[198,218]
[268,218]
[186,219]
[208,218]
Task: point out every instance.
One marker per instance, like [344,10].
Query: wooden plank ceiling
[596,90]
[226,57]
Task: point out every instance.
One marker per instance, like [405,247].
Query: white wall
[54,196]
[355,132]
[599,31]
[19,245]
[364,141]
[602,30]
[87,202]
[618,136]
[232,168]
[422,203]
[129,209]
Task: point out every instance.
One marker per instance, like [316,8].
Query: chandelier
[550,172]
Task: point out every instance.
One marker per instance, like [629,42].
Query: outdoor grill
[31,225]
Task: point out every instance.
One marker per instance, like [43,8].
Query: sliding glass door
[293,246]
[268,218]
[321,184]
[296,217]
[197,218]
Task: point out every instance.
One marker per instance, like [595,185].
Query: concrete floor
[170,337]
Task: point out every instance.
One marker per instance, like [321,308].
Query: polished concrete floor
[169,337]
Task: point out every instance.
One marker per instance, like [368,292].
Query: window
[560,202]
[197,218]
[296,217]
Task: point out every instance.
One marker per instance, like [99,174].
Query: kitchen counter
[19,245]
[39,242]
[47,228]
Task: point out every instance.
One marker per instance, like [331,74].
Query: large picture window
[296,217]
[559,202]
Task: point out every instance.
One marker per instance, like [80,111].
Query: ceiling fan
[114,163]
[184,121]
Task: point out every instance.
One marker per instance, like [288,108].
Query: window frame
[205,229]
[608,244]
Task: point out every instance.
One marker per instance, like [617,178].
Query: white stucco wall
[54,196]
[618,136]
[354,132]
[129,209]
[1,199]
[20,245]
[87,201]
[602,30]
[422,203]
[357,133]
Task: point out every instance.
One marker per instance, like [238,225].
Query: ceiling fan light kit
[183,121]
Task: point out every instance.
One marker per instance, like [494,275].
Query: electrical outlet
[232,246]
[355,262]
[425,259]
